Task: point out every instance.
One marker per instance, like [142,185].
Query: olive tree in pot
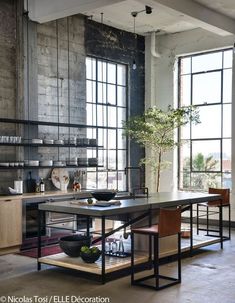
[155,129]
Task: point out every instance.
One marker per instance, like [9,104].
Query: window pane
[102,74]
[121,74]
[185,93]
[112,116]
[101,115]
[121,96]
[102,137]
[102,180]
[112,180]
[91,117]
[112,139]
[121,116]
[111,94]
[121,159]
[90,91]
[206,155]
[111,78]
[185,131]
[102,94]
[227,89]
[207,88]
[91,180]
[102,158]
[185,65]
[112,160]
[185,156]
[206,62]
[210,126]
[90,68]
[228,58]
[226,164]
[227,122]
[205,180]
[227,180]
[121,181]
[121,139]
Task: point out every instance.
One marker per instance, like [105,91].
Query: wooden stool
[169,224]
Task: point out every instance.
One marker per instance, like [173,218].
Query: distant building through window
[106,108]
[205,80]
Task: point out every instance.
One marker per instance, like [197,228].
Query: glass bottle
[42,186]
[121,246]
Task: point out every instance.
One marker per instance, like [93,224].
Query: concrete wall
[10,81]
[161,82]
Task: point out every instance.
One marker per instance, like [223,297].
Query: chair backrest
[169,222]
[224,192]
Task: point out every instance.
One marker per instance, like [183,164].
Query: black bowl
[90,258]
[105,195]
[71,245]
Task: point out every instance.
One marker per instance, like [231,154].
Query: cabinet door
[10,223]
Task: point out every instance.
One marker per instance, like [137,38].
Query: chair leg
[197,219]
[229,222]
[132,259]
[207,220]
[179,257]
[156,260]
[221,225]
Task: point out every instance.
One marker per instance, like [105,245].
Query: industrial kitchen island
[131,211]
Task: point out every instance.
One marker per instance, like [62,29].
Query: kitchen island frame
[142,207]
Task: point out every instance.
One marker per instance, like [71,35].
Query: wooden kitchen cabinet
[10,225]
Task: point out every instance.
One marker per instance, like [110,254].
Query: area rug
[45,251]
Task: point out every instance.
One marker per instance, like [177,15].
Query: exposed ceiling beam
[198,14]
[44,10]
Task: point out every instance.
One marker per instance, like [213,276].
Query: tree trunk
[159,170]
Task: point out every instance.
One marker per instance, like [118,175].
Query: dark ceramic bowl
[91,257]
[105,195]
[71,245]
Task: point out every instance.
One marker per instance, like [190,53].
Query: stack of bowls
[92,161]
[46,163]
[72,161]
[82,161]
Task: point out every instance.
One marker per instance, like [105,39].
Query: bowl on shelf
[90,255]
[71,245]
[104,195]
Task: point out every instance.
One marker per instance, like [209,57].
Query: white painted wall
[161,83]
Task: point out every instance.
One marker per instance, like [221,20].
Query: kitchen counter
[47,194]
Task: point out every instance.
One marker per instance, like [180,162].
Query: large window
[205,80]
[106,102]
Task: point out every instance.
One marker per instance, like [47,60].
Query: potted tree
[155,130]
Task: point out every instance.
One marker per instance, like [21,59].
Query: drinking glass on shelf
[121,246]
[114,247]
[108,247]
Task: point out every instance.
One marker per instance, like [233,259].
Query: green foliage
[155,130]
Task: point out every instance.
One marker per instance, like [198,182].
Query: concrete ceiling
[168,16]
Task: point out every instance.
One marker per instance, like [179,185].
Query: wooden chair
[169,224]
[219,204]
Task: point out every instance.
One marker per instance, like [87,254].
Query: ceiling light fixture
[148,11]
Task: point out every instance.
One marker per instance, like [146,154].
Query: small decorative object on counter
[42,186]
[37,187]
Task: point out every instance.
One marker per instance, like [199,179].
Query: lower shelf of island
[113,264]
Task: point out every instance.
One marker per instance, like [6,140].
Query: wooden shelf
[51,145]
[42,167]
[111,263]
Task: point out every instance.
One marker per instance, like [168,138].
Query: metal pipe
[154,53]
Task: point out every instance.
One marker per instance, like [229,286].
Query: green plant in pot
[155,130]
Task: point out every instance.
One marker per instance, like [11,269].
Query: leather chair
[215,207]
[169,224]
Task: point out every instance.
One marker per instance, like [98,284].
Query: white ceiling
[226,7]
[119,15]
[168,16]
